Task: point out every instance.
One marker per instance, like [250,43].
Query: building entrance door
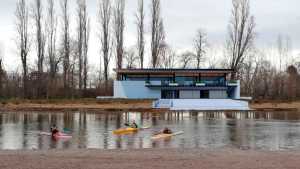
[204,94]
[169,94]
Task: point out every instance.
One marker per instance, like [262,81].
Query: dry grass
[265,104]
[117,105]
[75,105]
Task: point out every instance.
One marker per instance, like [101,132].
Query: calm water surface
[266,131]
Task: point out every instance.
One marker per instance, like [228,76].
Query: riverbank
[149,159]
[111,105]
[117,105]
[275,105]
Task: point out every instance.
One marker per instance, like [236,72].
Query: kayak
[163,136]
[125,130]
[59,135]
[129,130]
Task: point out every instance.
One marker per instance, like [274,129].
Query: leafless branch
[119,26]
[23,38]
[241,33]
[66,42]
[200,45]
[157,31]
[140,15]
[37,10]
[105,16]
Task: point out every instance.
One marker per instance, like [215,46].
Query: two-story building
[176,84]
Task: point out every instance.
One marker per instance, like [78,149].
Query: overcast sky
[181,18]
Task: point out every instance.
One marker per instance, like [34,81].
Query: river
[211,130]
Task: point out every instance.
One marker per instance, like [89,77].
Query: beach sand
[150,159]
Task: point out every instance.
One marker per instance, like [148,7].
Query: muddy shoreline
[150,159]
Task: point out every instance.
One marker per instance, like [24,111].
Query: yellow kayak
[125,130]
[164,136]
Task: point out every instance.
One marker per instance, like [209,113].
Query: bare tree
[131,58]
[23,39]
[37,9]
[86,36]
[249,71]
[72,67]
[241,33]
[140,30]
[119,26]
[186,59]
[283,47]
[283,52]
[280,49]
[37,14]
[105,15]
[1,71]
[66,42]
[200,45]
[168,57]
[292,80]
[51,39]
[157,31]
[80,38]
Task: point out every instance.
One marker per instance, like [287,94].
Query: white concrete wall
[237,91]
[205,104]
[135,90]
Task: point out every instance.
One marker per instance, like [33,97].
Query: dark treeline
[63,70]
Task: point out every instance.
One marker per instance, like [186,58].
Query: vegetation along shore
[117,105]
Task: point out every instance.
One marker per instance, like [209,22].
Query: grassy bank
[76,105]
[276,105]
[120,105]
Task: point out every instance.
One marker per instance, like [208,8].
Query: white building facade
[176,84]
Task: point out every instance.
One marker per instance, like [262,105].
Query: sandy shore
[149,159]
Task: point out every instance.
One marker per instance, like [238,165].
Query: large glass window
[214,81]
[185,81]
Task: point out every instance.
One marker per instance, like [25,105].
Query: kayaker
[53,127]
[167,131]
[54,131]
[134,125]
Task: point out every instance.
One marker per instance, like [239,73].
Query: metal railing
[192,84]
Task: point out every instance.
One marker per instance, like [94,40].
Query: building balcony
[202,84]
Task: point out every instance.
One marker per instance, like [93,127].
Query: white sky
[181,19]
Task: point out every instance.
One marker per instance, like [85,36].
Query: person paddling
[132,125]
[54,131]
[167,131]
